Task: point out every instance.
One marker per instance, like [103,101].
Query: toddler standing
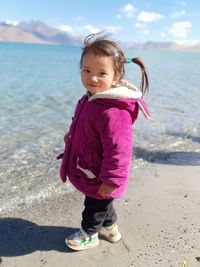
[98,146]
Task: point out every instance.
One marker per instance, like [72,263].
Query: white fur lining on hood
[123,89]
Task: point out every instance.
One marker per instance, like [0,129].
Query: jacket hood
[124,95]
[122,90]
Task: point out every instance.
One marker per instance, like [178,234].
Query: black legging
[97,213]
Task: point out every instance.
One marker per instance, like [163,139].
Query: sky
[127,21]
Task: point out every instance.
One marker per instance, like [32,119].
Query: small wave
[11,204]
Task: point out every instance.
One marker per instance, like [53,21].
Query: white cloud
[162,34]
[128,10]
[65,28]
[113,29]
[80,30]
[91,28]
[149,16]
[145,32]
[139,25]
[12,22]
[178,14]
[142,27]
[118,16]
[180,29]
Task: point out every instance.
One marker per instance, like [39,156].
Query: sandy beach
[158,218]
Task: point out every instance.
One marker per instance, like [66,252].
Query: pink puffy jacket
[99,144]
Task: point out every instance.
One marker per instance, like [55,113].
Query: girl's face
[97,73]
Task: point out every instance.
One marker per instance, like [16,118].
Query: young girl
[98,146]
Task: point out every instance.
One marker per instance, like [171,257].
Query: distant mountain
[163,46]
[160,46]
[46,33]
[193,48]
[41,33]
[35,32]
[14,34]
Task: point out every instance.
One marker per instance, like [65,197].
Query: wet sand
[158,217]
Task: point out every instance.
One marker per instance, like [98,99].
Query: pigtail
[144,80]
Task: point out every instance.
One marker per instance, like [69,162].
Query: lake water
[39,88]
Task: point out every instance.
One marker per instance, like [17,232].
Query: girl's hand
[106,189]
[65,137]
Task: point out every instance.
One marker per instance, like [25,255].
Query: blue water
[39,87]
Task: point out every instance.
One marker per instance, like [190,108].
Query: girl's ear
[115,80]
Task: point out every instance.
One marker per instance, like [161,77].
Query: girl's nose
[94,78]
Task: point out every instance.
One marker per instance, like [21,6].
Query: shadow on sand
[179,158]
[21,237]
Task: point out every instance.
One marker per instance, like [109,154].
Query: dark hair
[100,45]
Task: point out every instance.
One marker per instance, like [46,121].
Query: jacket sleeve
[115,130]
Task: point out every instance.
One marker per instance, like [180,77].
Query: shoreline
[158,218]
[41,184]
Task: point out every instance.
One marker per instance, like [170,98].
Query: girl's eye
[86,70]
[103,73]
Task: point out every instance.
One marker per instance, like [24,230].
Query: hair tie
[128,60]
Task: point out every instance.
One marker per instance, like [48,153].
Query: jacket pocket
[87,176]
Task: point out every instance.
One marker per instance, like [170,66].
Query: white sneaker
[111,233]
[81,240]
